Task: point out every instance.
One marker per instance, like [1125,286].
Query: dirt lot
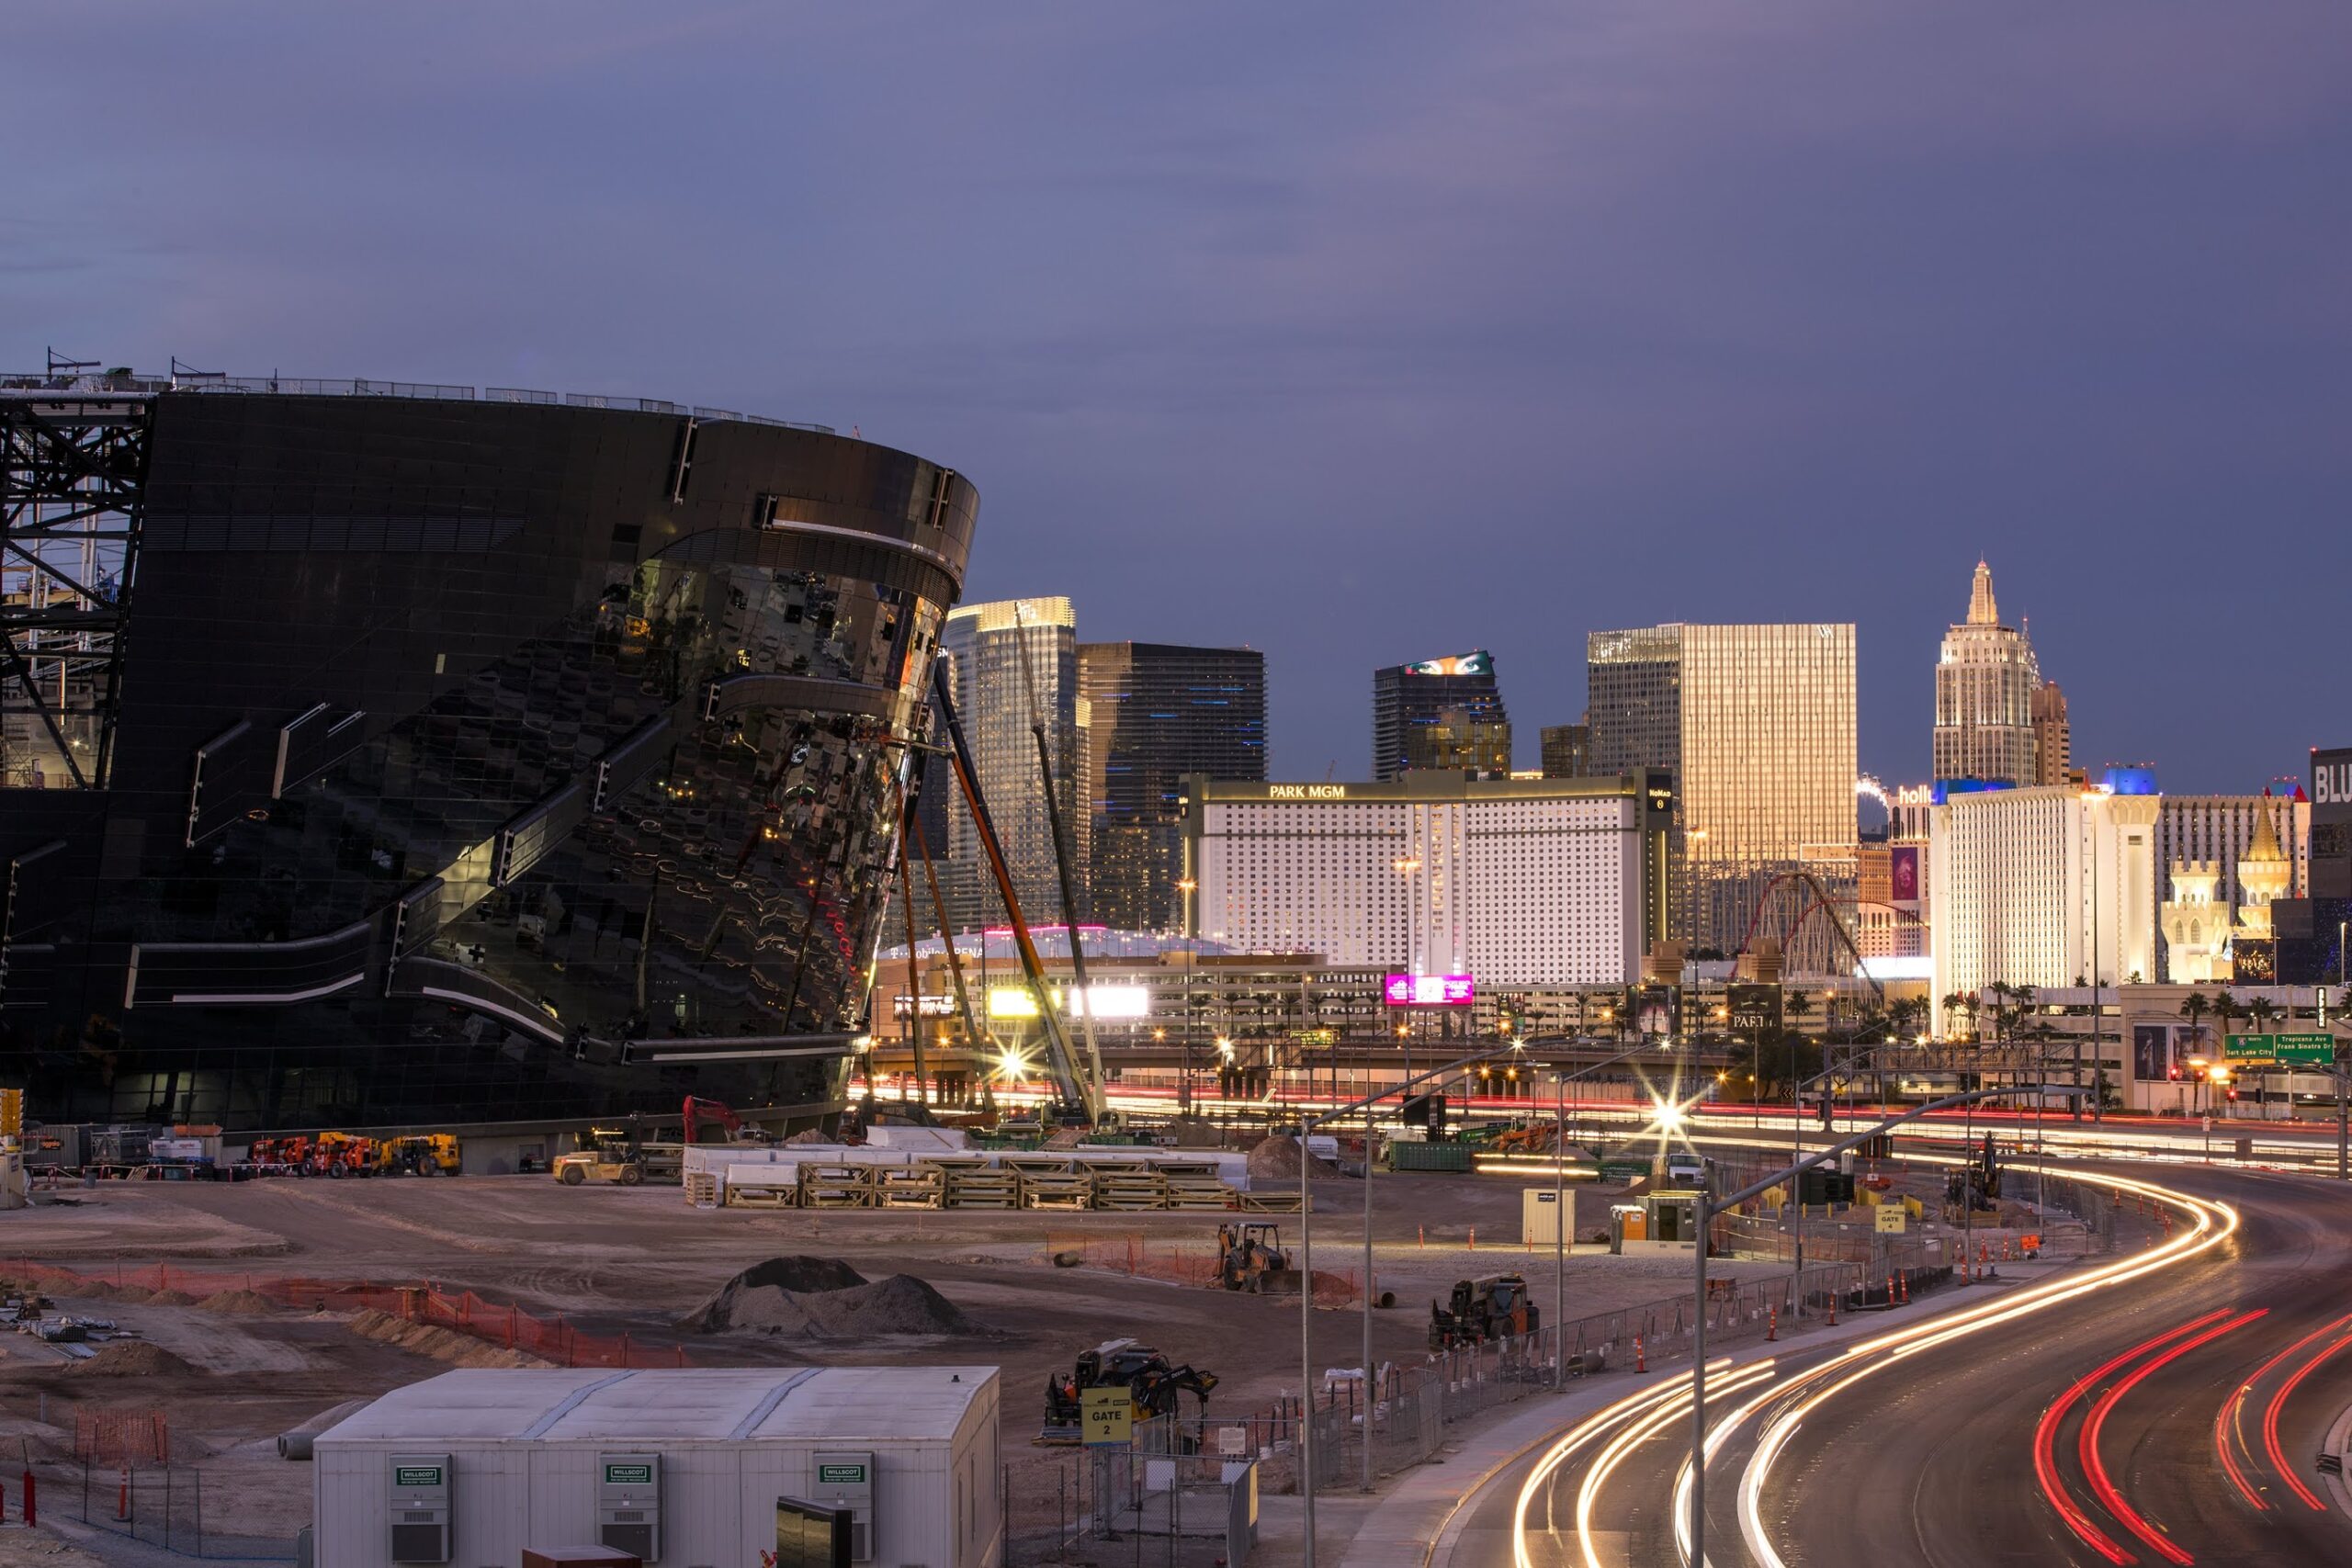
[614,1259]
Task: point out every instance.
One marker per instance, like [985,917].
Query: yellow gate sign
[12,1112]
[1893,1218]
[1108,1418]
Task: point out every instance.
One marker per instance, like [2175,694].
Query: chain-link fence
[165,1506]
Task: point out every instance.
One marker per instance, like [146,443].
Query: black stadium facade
[379,754]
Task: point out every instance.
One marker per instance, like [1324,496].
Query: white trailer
[683,1467]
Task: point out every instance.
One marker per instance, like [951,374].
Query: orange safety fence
[122,1436]
[553,1339]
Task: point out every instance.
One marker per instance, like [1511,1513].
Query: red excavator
[701,1112]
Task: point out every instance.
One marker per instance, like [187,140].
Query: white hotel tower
[1985,679]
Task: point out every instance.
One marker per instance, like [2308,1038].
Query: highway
[2162,1406]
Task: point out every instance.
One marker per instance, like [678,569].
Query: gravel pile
[823,1298]
[238,1303]
[1278,1159]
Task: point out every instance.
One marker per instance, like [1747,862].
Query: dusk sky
[1360,333]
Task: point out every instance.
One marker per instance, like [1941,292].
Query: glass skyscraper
[1005,657]
[1758,723]
[1155,713]
[1440,713]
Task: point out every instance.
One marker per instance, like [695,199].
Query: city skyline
[1358,357]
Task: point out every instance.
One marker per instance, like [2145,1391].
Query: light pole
[1306,1259]
[1707,1208]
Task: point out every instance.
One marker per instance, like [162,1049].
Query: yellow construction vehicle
[614,1155]
[1249,1257]
[419,1154]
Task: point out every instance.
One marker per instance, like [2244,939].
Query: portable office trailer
[681,1466]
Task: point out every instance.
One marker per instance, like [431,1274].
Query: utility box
[420,1507]
[628,1504]
[1546,1218]
[844,1479]
[1628,1222]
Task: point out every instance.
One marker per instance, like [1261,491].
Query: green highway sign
[2280,1050]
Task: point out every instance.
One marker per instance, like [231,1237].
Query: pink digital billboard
[1430,991]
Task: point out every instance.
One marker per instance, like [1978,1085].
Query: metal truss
[73,486]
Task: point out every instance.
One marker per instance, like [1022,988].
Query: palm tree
[2262,1012]
[1963,1003]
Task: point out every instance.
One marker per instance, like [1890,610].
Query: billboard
[1655,1013]
[1752,1010]
[1903,875]
[1429,991]
[1478,661]
[934,1006]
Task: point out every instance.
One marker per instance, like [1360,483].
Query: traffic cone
[1772,1323]
[1473,1238]
[1832,1308]
[1640,1365]
[1421,1234]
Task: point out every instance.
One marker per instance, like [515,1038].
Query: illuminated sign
[933,1006]
[1478,661]
[1429,991]
[1307,791]
[1102,1001]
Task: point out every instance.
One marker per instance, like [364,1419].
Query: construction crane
[1080,1091]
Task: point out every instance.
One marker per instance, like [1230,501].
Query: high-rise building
[1984,684]
[2053,744]
[1456,694]
[1568,750]
[1756,724]
[1013,658]
[1155,713]
[2041,887]
[1480,881]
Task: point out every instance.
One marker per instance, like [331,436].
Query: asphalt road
[1953,1457]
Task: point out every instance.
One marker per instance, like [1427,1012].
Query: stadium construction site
[176,1330]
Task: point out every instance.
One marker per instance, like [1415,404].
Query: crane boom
[1061,1062]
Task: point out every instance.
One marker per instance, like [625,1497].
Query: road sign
[2280,1050]
[1893,1219]
[1109,1418]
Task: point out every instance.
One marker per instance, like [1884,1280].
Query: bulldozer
[1249,1257]
[1495,1307]
[419,1154]
[615,1155]
[1153,1385]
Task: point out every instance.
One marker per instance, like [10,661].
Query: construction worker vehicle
[1974,1186]
[1249,1257]
[419,1154]
[614,1155]
[701,1113]
[1152,1383]
[1495,1307]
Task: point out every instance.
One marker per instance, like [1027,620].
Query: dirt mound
[134,1293]
[129,1359]
[1278,1159]
[171,1299]
[823,1298]
[440,1344]
[808,1136]
[238,1303]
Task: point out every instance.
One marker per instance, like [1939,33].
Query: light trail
[1717,1435]
[2094,1467]
[1656,1420]
[2226,1423]
[2270,1423]
[1676,1389]
[2211,1222]
[2045,1441]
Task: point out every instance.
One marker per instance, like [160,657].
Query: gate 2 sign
[1108,1418]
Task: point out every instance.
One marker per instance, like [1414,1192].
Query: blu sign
[1430,991]
[2332,786]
